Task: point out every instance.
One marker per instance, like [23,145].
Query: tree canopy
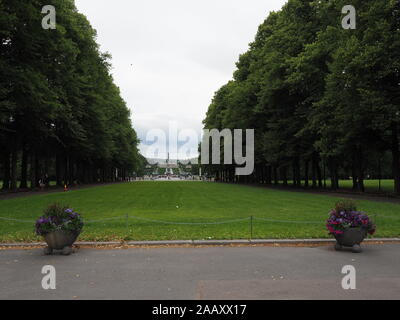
[61,115]
[323,100]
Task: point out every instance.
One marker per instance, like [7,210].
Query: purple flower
[339,222]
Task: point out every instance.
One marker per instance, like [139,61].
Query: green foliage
[56,210]
[345,206]
[315,92]
[58,100]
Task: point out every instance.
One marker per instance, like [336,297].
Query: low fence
[250,221]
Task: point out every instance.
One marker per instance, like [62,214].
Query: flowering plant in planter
[60,226]
[57,217]
[345,216]
[349,226]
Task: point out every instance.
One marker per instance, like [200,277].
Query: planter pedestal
[351,238]
[60,240]
[356,248]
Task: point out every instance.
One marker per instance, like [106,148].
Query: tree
[60,111]
[316,92]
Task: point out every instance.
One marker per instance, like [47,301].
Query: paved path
[203,273]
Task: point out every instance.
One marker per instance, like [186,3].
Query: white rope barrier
[189,223]
[16,220]
[126,217]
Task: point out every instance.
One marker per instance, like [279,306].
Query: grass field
[189,202]
[387,186]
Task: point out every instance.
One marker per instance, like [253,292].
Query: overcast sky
[169,57]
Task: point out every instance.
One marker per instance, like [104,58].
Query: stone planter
[60,240]
[352,238]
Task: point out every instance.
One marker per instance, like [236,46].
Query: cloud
[169,57]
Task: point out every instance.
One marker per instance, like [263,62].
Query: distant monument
[164,167]
[169,168]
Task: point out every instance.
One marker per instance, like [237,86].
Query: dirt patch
[126,246]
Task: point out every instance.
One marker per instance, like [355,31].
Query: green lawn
[387,186]
[193,202]
[370,185]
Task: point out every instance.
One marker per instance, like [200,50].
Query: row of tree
[324,101]
[61,115]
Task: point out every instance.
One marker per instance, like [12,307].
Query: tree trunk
[14,173]
[333,173]
[6,168]
[24,169]
[276,178]
[46,170]
[33,170]
[354,172]
[324,165]
[314,174]
[59,166]
[269,175]
[262,174]
[284,175]
[319,176]
[306,173]
[314,169]
[71,171]
[296,172]
[37,171]
[66,170]
[360,170]
[396,157]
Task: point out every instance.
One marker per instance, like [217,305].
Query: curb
[206,242]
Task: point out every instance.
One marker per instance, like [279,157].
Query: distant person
[46,180]
[42,185]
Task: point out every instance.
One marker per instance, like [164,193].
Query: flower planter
[349,226]
[60,240]
[352,238]
[60,226]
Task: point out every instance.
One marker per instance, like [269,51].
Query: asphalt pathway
[209,273]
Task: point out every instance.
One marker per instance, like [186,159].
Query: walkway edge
[205,242]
